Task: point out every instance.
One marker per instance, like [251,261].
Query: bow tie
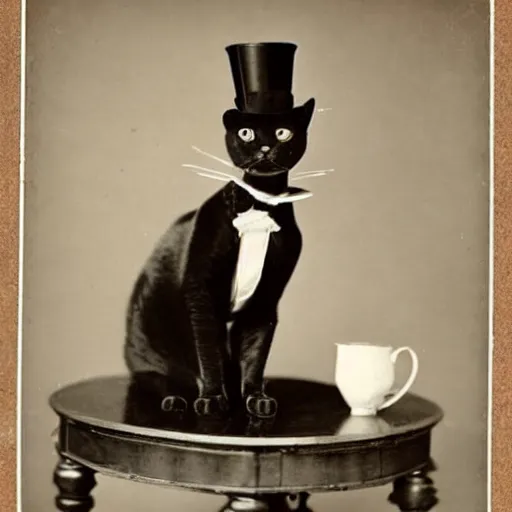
[289,196]
[254,228]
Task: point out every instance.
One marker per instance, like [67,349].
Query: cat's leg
[251,337]
[170,395]
[212,359]
[209,335]
[152,373]
[213,397]
[233,375]
[208,251]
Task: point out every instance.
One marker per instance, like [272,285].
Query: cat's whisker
[221,160]
[213,171]
[212,176]
[301,173]
[306,176]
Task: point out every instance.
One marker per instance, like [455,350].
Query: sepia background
[395,241]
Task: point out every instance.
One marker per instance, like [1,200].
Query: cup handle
[410,380]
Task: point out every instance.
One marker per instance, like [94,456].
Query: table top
[313,444]
[310,413]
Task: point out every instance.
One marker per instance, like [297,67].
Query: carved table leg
[414,493]
[75,483]
[268,503]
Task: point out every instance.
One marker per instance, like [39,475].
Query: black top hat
[262,75]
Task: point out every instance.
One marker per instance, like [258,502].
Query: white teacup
[365,374]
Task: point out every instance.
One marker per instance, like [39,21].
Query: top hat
[262,75]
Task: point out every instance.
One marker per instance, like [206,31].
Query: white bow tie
[265,197]
[254,228]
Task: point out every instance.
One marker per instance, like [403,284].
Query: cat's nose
[265,149]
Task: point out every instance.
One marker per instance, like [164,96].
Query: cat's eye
[283,134]
[246,134]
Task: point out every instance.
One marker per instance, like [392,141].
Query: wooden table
[313,445]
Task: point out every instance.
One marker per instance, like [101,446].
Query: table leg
[75,483]
[414,493]
[268,503]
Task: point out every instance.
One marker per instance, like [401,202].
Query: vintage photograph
[256,256]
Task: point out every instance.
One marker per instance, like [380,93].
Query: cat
[183,340]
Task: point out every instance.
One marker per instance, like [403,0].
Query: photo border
[10,101]
[501,275]
[12,22]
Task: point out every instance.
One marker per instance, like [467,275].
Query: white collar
[273,200]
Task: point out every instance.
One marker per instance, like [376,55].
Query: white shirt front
[254,228]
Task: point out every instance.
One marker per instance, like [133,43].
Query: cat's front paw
[261,405]
[174,404]
[211,405]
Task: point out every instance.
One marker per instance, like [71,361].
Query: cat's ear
[304,113]
[230,118]
[309,108]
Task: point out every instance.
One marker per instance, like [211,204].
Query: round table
[109,426]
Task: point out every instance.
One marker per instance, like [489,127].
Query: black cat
[190,341]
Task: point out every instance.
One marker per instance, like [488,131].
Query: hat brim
[304,111]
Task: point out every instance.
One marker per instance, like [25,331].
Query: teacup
[365,374]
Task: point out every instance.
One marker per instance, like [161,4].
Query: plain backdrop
[395,241]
